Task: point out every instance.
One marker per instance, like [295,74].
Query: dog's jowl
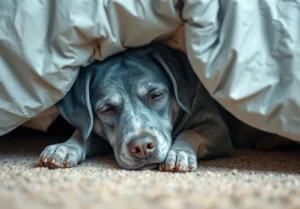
[148,106]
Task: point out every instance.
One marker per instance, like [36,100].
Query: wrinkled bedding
[246,53]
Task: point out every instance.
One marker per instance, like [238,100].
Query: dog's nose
[142,146]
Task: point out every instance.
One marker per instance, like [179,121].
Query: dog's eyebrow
[144,89]
[111,100]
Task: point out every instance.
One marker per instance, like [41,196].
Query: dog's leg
[204,142]
[67,154]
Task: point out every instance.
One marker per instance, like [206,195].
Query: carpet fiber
[250,179]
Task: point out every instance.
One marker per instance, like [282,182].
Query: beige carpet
[250,179]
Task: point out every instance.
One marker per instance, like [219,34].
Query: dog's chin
[141,167]
[148,167]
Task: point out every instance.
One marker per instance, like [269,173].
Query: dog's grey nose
[142,146]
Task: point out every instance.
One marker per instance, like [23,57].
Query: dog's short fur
[146,104]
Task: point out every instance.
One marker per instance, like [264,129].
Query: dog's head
[132,99]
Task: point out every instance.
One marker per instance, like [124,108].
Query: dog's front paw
[62,156]
[180,160]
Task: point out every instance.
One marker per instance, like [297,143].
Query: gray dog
[146,104]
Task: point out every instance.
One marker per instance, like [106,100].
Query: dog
[147,106]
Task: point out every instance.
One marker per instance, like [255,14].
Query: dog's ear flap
[180,71]
[75,107]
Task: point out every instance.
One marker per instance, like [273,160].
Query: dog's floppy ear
[180,71]
[75,107]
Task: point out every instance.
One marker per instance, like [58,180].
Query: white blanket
[245,52]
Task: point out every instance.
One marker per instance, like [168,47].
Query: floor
[250,179]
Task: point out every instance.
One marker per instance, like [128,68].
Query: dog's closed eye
[107,109]
[156,95]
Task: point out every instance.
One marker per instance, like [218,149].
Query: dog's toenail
[53,161]
[161,167]
[180,167]
[171,166]
[45,160]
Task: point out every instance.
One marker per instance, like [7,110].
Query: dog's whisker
[112,160]
[110,157]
